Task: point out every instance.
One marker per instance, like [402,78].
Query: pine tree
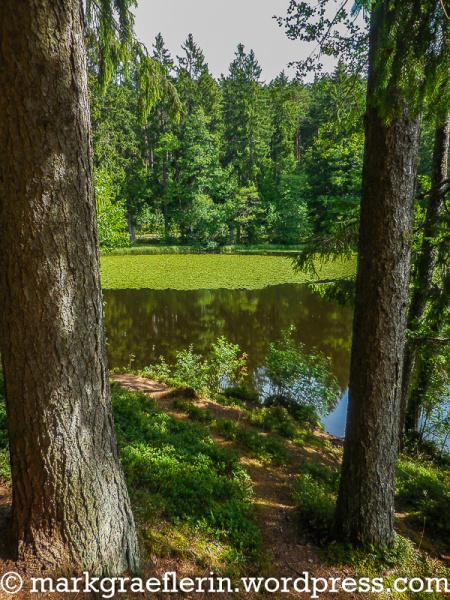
[71,509]
[246,118]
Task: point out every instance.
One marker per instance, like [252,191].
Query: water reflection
[154,323]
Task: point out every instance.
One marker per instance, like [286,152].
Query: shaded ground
[288,552]
[289,555]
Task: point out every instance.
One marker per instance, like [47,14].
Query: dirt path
[290,554]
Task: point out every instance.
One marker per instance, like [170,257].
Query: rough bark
[365,508]
[70,503]
[423,277]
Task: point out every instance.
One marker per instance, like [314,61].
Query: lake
[144,324]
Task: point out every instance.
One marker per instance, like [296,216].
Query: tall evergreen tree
[246,118]
[71,508]
[397,72]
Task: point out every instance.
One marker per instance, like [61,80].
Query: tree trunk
[365,508]
[423,277]
[71,509]
[131,227]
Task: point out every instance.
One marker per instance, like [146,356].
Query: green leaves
[304,379]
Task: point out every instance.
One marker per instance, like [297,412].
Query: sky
[218,26]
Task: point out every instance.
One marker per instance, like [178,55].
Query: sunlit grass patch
[210,271]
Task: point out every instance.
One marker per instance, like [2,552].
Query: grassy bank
[264,249]
[210,271]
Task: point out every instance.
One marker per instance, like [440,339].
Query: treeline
[228,161]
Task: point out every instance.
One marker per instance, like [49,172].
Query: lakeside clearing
[212,271]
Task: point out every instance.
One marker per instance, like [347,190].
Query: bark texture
[365,508]
[426,263]
[70,503]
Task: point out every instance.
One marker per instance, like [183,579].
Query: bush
[225,365]
[195,412]
[239,392]
[315,492]
[111,219]
[315,504]
[274,419]
[302,379]
[306,415]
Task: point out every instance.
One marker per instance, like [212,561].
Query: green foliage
[246,118]
[423,489]
[211,271]
[194,412]
[224,365]
[303,379]
[274,419]
[315,491]
[241,393]
[176,472]
[289,219]
[111,218]
[230,161]
[267,448]
[402,559]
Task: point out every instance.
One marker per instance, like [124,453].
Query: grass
[143,248]
[210,271]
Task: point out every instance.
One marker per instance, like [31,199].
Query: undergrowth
[178,477]
[423,491]
[315,494]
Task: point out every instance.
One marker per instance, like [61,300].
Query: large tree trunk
[423,277]
[70,503]
[365,507]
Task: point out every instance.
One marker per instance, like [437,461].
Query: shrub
[195,412]
[274,419]
[240,392]
[315,492]
[315,505]
[306,415]
[111,219]
[303,379]
[223,366]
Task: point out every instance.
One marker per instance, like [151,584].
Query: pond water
[152,323]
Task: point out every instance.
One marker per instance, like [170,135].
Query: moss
[205,271]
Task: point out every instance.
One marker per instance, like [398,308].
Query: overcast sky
[218,26]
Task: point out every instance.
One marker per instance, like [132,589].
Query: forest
[228,162]
[224,305]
